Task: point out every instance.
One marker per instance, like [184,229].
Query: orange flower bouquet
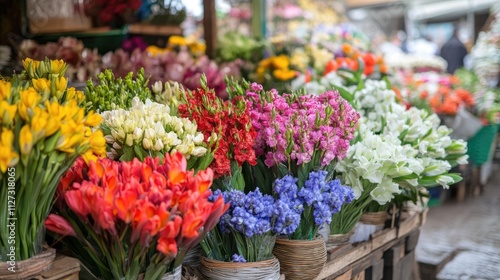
[125,219]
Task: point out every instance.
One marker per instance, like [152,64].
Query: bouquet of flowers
[116,12]
[297,133]
[275,71]
[113,93]
[82,63]
[43,130]
[169,65]
[123,219]
[377,167]
[148,129]
[229,123]
[248,230]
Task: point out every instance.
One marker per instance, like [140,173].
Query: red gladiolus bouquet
[123,219]
[230,120]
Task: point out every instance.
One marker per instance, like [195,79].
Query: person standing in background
[454,52]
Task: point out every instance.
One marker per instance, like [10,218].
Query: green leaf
[344,93]
[140,153]
[128,153]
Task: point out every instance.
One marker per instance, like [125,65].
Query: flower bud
[146,143]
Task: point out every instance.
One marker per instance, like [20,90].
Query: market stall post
[259,18]
[210,26]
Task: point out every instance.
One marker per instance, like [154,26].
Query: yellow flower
[5,88]
[53,124]
[197,48]
[25,140]
[38,123]
[98,143]
[154,50]
[61,83]
[29,100]
[56,66]
[7,112]
[34,64]
[284,75]
[265,63]
[41,84]
[71,136]
[281,62]
[261,70]
[93,119]
[43,124]
[89,156]
[8,157]
[177,41]
[7,137]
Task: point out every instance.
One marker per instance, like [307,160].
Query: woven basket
[335,240]
[217,270]
[300,259]
[26,269]
[173,275]
[374,218]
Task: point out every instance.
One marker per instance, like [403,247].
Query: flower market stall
[274,159]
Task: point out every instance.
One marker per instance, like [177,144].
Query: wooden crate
[389,254]
[63,268]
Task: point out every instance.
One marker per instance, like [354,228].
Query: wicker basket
[217,270]
[335,240]
[28,268]
[173,275]
[374,218]
[300,259]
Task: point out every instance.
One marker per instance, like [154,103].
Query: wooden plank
[423,216]
[394,255]
[383,237]
[360,276]
[411,241]
[334,265]
[377,270]
[407,266]
[152,29]
[338,251]
[345,276]
[408,225]
[210,27]
[63,268]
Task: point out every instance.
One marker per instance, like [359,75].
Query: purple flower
[296,127]
[238,258]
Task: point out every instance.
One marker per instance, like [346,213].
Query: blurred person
[454,52]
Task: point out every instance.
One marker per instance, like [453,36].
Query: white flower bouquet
[148,129]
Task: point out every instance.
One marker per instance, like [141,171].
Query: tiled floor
[471,229]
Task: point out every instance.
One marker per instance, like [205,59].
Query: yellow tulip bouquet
[44,128]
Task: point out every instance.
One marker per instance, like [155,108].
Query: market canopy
[422,10]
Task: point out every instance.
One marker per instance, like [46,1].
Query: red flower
[59,225]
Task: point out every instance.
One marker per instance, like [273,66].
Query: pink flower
[59,225]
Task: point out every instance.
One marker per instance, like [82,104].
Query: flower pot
[335,240]
[374,218]
[192,257]
[176,274]
[300,259]
[217,270]
[28,268]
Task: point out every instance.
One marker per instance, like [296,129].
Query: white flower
[146,143]
[158,145]
[463,159]
[157,87]
[384,192]
[445,181]
[199,151]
